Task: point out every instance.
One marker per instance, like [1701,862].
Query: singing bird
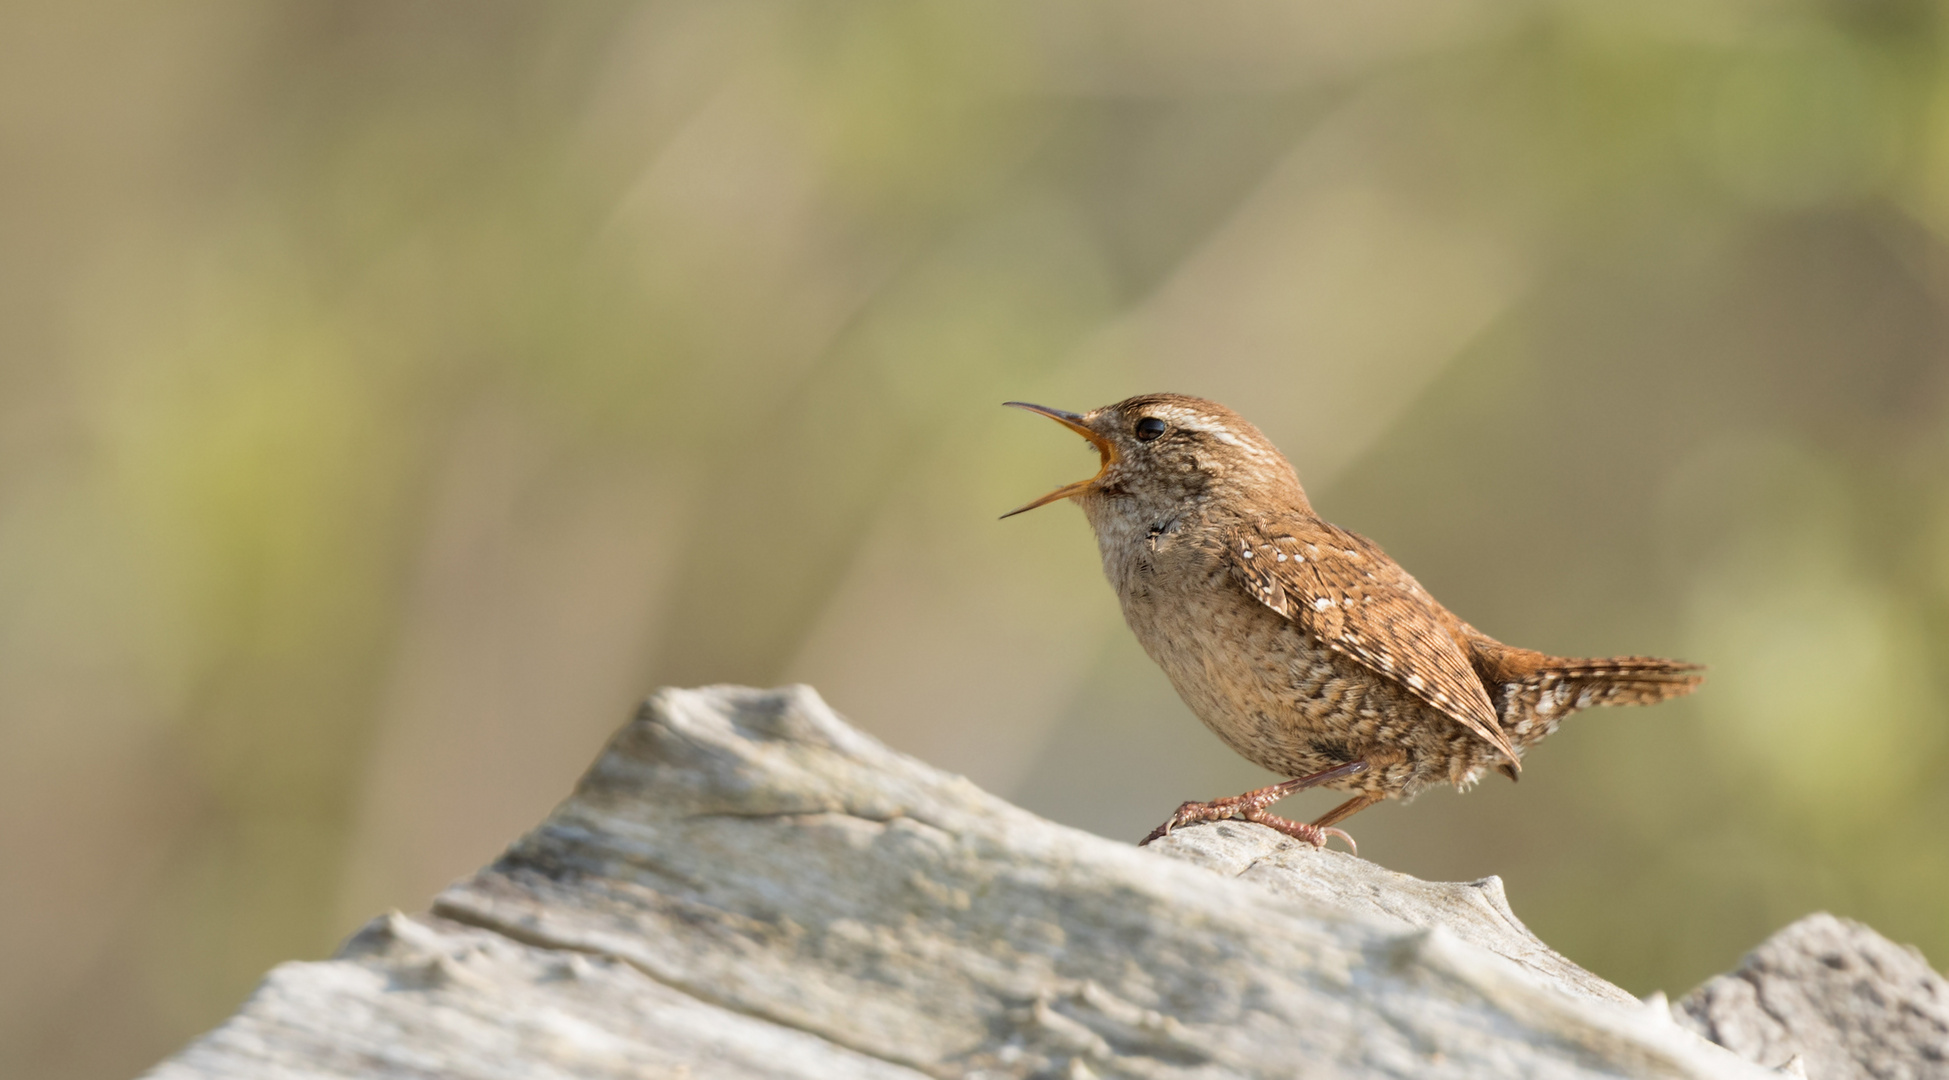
[1300,644]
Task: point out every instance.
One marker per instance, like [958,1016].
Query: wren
[1301,645]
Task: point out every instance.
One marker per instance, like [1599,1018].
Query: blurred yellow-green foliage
[391,393]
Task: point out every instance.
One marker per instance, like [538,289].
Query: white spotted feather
[1364,606]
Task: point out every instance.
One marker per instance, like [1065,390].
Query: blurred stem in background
[390,394]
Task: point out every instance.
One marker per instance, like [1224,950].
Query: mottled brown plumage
[1300,644]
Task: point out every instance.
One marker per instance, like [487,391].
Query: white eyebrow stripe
[1193,422]
[1188,420]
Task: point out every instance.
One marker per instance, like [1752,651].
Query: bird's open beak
[1074,423]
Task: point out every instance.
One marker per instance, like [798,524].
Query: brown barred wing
[1343,589]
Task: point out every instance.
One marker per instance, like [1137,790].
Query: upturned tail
[1534,691]
[1615,680]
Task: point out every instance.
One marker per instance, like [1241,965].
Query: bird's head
[1163,453]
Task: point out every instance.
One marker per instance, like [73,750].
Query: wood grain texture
[1848,1002]
[745,886]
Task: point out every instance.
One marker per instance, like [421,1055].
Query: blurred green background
[393,393]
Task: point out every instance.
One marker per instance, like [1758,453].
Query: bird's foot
[1192,813]
[1248,807]
[1300,830]
[1251,806]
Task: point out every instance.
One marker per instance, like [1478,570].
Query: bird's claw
[1247,809]
[1319,837]
[1300,830]
[1189,813]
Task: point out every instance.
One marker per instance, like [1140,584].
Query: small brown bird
[1300,644]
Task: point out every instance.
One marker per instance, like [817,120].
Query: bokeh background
[393,392]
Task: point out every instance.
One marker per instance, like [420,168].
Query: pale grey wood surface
[745,886]
[1848,1001]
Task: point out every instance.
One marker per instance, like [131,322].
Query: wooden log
[745,886]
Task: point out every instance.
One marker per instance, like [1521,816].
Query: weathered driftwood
[745,886]
[1849,1002]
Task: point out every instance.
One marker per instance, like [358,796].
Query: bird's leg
[1346,810]
[1251,806]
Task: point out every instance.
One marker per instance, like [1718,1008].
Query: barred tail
[1616,680]
[1534,691]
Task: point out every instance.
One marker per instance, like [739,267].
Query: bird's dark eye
[1150,427]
